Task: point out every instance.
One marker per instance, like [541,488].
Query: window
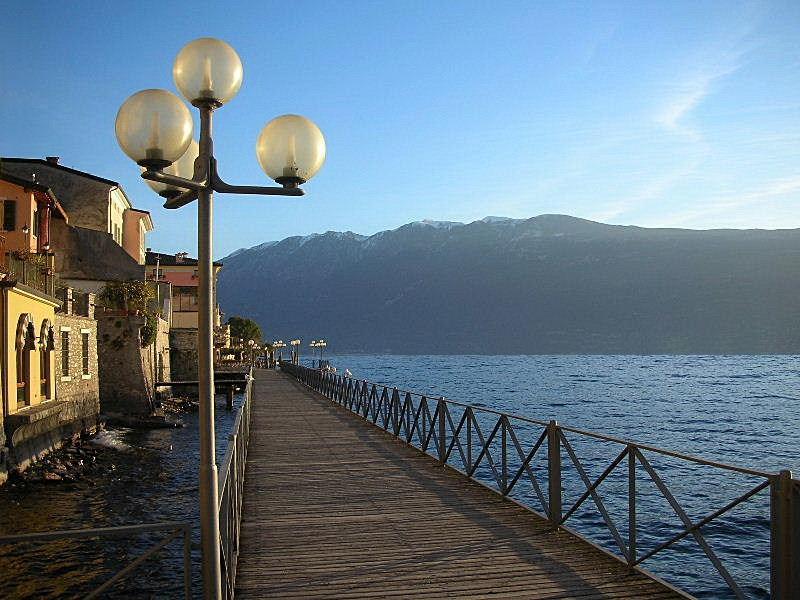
[85,352]
[35,228]
[64,353]
[44,371]
[9,215]
[23,366]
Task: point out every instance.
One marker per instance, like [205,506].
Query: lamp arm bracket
[181,200]
[174,180]
[218,185]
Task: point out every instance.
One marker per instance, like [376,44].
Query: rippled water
[739,409]
[734,409]
[143,476]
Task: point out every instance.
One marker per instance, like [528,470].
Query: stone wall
[124,385]
[156,359]
[72,382]
[183,354]
[85,199]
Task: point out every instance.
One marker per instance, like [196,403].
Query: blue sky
[653,114]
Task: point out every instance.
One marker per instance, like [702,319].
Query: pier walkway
[336,508]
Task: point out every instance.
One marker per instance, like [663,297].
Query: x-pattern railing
[170,531]
[452,432]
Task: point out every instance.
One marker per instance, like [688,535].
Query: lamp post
[295,351]
[278,345]
[154,128]
[319,345]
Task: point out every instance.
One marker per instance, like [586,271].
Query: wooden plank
[335,508]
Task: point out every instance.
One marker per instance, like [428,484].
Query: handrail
[427,424]
[174,530]
[593,434]
[231,490]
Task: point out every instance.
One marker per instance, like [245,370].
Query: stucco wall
[19,301]
[16,240]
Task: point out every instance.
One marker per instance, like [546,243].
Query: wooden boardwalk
[336,508]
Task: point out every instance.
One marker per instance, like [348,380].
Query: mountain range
[550,284]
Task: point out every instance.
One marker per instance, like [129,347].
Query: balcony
[28,268]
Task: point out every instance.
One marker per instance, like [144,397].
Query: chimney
[53,160]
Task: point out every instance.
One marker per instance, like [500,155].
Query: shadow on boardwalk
[335,508]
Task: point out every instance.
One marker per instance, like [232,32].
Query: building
[39,408]
[92,202]
[181,272]
[102,239]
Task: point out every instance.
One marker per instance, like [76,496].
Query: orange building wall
[132,236]
[16,240]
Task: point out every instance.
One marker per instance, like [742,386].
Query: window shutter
[9,215]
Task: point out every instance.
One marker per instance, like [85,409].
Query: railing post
[785,537]
[468,421]
[504,449]
[396,412]
[554,472]
[631,505]
[442,431]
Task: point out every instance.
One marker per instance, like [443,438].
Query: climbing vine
[133,296]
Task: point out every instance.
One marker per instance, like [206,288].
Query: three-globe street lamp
[155,128]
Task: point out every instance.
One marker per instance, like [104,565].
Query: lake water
[736,409]
[142,476]
[741,410]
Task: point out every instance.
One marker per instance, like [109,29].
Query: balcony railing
[33,270]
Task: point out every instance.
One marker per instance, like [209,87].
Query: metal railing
[452,432]
[173,531]
[34,270]
[231,491]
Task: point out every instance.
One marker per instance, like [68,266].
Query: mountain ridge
[547,284]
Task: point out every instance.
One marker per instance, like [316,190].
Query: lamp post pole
[154,128]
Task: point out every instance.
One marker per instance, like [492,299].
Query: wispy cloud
[652,190]
[784,188]
[686,94]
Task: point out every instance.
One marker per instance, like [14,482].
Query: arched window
[25,342]
[46,345]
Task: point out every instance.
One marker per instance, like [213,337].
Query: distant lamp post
[278,345]
[319,345]
[295,351]
[154,128]
[268,355]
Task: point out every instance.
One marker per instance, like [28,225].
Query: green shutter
[9,215]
